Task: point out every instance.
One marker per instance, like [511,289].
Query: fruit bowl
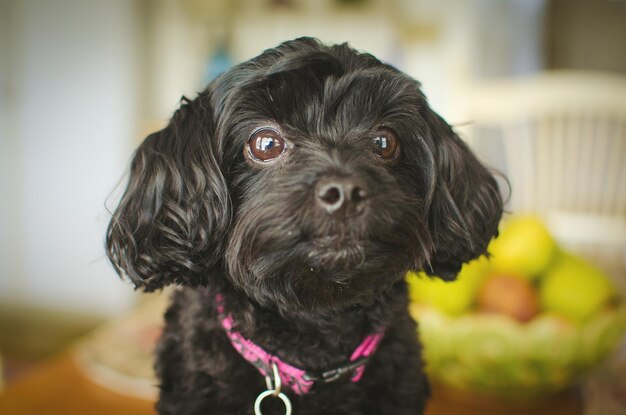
[529,322]
[497,356]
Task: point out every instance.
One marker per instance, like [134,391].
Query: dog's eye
[385,143]
[266,144]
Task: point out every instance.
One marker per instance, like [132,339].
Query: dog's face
[313,177]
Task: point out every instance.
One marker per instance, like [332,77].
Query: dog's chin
[335,255]
[329,274]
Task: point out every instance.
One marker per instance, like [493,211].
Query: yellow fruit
[575,289]
[524,247]
[453,297]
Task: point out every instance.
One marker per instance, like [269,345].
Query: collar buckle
[337,373]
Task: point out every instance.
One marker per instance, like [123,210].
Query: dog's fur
[304,284]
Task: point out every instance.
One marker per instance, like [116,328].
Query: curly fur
[303,284]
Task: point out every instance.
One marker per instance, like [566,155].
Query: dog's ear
[465,202]
[169,225]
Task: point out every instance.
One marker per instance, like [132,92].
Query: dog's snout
[336,194]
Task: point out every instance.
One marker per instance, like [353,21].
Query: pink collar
[298,380]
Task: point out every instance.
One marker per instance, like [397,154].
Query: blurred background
[536,87]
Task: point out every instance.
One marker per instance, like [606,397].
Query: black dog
[287,201]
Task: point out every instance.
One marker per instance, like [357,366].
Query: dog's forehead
[320,96]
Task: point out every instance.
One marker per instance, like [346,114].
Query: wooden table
[448,402]
[57,387]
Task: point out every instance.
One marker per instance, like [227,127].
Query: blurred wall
[587,35]
[5,145]
[68,108]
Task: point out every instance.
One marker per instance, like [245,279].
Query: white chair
[563,138]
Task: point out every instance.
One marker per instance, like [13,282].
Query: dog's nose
[335,194]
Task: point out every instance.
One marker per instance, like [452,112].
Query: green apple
[450,297]
[524,247]
[575,289]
